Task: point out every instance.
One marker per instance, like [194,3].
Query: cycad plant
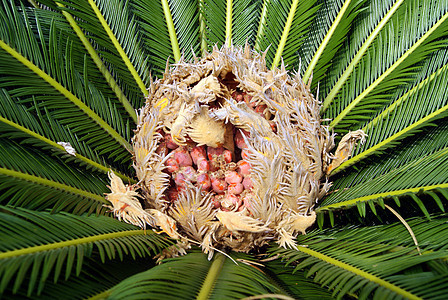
[74,73]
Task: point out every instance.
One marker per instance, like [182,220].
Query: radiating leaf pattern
[76,71]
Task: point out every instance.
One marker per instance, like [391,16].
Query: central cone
[229,154]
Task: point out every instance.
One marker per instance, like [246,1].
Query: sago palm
[73,75]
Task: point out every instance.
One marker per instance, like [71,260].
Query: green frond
[244,21]
[118,29]
[75,71]
[379,261]
[295,283]
[376,16]
[99,63]
[395,60]
[415,147]
[171,30]
[36,181]
[185,15]
[328,31]
[150,16]
[57,244]
[214,15]
[94,278]
[285,29]
[50,84]
[424,99]
[419,175]
[174,278]
[18,123]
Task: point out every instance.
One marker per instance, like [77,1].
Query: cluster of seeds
[224,173]
[229,154]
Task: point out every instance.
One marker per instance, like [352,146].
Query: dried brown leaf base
[229,154]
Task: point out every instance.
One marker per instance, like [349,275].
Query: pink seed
[179,179]
[189,173]
[244,168]
[203,165]
[204,181]
[182,157]
[211,152]
[170,143]
[236,188]
[219,185]
[197,153]
[247,201]
[237,96]
[239,140]
[227,156]
[216,203]
[247,183]
[233,177]
[273,126]
[231,200]
[171,165]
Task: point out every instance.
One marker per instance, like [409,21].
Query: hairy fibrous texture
[230,154]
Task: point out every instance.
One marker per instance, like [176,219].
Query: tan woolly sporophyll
[229,154]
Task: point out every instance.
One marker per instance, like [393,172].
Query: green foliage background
[76,71]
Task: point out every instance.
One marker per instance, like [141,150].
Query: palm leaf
[158,31]
[118,41]
[418,176]
[48,90]
[214,17]
[94,278]
[220,278]
[285,29]
[244,21]
[34,180]
[377,14]
[374,261]
[329,30]
[423,98]
[395,60]
[18,123]
[60,242]
[186,21]
[295,283]
[417,146]
[378,65]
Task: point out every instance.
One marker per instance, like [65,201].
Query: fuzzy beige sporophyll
[229,154]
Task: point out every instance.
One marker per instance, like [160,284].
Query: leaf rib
[325,41]
[119,48]
[387,72]
[358,272]
[75,100]
[212,275]
[74,242]
[171,30]
[261,26]
[53,144]
[202,30]
[99,63]
[359,55]
[51,184]
[229,22]
[383,195]
[282,43]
